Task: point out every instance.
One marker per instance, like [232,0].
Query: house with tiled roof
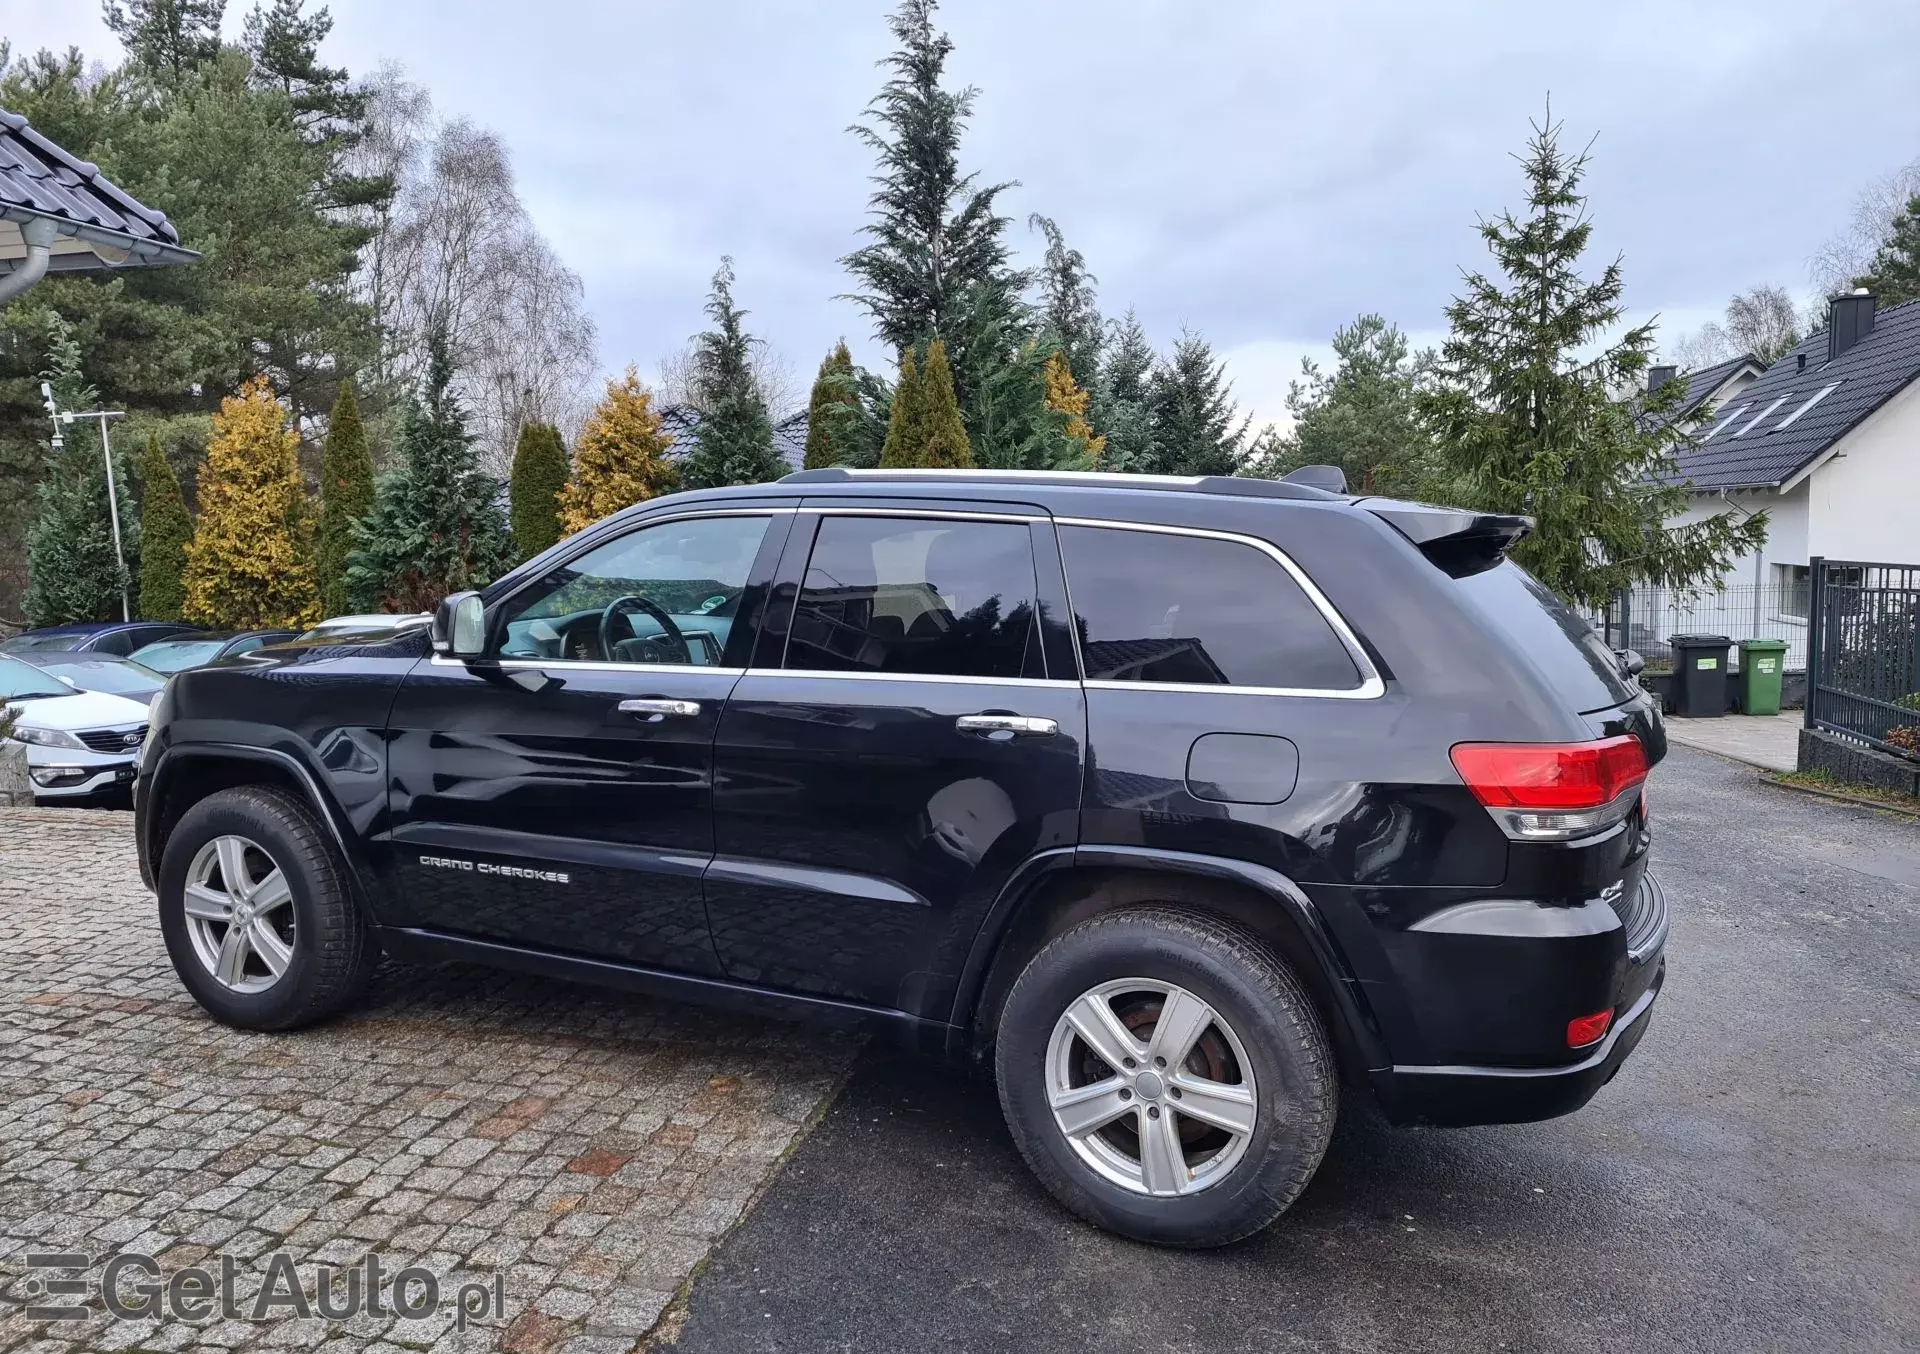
[1710,387]
[683,422]
[59,214]
[1827,441]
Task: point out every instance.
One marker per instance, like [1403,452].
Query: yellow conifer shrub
[1064,396]
[250,563]
[620,459]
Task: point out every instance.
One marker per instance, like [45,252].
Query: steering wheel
[621,606]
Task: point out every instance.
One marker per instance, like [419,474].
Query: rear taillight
[1554,791]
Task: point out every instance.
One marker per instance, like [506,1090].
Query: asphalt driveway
[1751,1181]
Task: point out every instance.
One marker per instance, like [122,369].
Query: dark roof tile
[37,177]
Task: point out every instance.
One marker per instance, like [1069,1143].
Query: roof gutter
[39,233]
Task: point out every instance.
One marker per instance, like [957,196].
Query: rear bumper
[1513,1095]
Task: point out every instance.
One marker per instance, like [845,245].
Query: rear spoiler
[1459,542]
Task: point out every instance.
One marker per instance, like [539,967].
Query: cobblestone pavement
[581,1151]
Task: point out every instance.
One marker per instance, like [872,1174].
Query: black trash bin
[1699,675]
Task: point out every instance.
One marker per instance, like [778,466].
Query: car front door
[558,793]
[911,732]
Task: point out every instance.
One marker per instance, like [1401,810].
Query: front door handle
[656,708]
[1020,726]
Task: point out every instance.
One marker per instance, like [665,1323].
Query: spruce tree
[735,439]
[1118,409]
[1067,303]
[935,265]
[1191,411]
[1527,417]
[165,531]
[436,526]
[1896,266]
[903,419]
[540,472]
[250,563]
[833,413]
[73,571]
[620,459]
[346,493]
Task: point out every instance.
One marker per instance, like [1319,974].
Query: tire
[1262,1041]
[324,950]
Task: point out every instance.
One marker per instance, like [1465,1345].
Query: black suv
[1182,801]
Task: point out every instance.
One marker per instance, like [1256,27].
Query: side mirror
[1631,662]
[460,626]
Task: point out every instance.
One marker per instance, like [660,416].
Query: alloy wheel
[1151,1087]
[240,914]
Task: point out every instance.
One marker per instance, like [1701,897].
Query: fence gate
[1863,661]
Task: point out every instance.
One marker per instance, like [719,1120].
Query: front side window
[1155,607]
[918,596]
[667,593]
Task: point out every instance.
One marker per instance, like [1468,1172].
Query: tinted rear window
[1573,659]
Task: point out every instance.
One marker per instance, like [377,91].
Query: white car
[78,742]
[338,626]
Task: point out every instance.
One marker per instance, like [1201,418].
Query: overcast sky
[1260,172]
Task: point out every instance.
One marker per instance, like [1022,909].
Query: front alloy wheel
[1151,1087]
[240,916]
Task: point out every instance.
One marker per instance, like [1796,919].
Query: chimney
[1659,376]
[1849,319]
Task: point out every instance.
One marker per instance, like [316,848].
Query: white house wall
[1865,499]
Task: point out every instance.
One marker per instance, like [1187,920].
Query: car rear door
[911,732]
[559,792]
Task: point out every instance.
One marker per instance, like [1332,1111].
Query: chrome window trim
[946,514]
[1371,685]
[827,674]
[579,665]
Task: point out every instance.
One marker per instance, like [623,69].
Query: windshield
[30,641]
[22,682]
[175,655]
[124,678]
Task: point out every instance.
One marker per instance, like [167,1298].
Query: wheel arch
[187,774]
[1060,889]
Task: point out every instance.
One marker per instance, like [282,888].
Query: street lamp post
[66,416]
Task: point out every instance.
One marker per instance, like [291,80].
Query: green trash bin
[1761,661]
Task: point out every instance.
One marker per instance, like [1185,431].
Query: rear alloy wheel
[1150,1087]
[1166,1076]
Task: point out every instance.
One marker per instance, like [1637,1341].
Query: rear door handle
[660,707]
[1020,726]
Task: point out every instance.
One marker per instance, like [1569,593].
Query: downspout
[39,233]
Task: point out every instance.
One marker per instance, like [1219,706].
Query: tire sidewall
[1293,1123]
[262,822]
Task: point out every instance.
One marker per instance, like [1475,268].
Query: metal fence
[1864,674]
[1646,618]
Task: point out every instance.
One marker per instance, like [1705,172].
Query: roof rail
[1232,485]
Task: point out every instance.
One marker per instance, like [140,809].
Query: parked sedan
[198,650]
[114,639]
[376,623]
[79,743]
[115,676]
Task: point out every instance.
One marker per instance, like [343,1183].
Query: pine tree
[248,566]
[620,459]
[1068,403]
[903,418]
[936,262]
[1119,409]
[539,474]
[1067,304]
[165,531]
[1896,266]
[1526,415]
[346,493]
[74,573]
[1361,417]
[437,526]
[735,439]
[1190,405]
[168,39]
[833,413]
